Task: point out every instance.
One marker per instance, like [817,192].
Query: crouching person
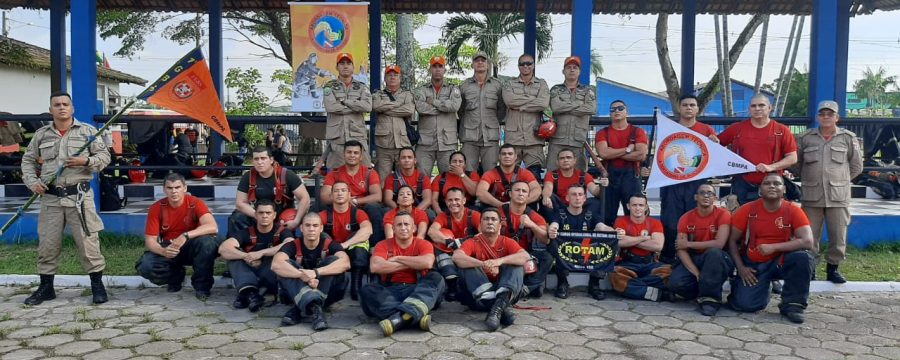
[638,274]
[249,253]
[408,290]
[311,271]
[180,232]
[492,272]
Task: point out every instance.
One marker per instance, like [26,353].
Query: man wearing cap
[573,104]
[346,101]
[437,104]
[526,97]
[395,107]
[479,130]
[828,158]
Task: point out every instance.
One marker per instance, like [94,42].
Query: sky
[625,43]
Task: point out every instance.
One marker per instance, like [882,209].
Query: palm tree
[487,30]
[873,85]
[596,64]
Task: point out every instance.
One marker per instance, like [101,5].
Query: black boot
[562,290]
[594,288]
[355,284]
[833,275]
[394,323]
[44,291]
[97,289]
[493,317]
[292,317]
[318,317]
[256,301]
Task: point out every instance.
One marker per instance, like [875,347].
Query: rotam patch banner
[587,251]
[684,155]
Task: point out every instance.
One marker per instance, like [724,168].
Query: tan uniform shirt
[526,103]
[827,166]
[54,149]
[480,111]
[390,129]
[437,116]
[572,110]
[346,106]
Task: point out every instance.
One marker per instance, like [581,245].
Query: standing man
[437,104]
[828,158]
[770,239]
[638,274]
[705,265]
[395,107]
[526,97]
[180,231]
[572,104]
[624,147]
[268,180]
[492,272]
[680,198]
[762,141]
[407,174]
[69,200]
[479,129]
[408,290]
[495,185]
[311,271]
[346,101]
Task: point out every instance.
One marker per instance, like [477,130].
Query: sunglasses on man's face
[616,108]
[526,63]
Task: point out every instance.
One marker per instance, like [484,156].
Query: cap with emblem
[481,54]
[830,105]
[344,56]
[572,59]
[438,60]
[392,68]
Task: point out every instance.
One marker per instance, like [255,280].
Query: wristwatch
[186,237]
[464,175]
[628,150]
[317,273]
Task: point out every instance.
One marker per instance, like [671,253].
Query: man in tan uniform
[394,107]
[437,104]
[573,104]
[346,101]
[828,159]
[481,108]
[526,97]
[69,200]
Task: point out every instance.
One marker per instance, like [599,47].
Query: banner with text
[320,31]
[587,251]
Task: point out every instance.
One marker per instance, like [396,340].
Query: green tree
[486,31]
[874,85]
[596,64]
[250,100]
[797,102]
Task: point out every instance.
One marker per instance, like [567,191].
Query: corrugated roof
[792,7]
[17,53]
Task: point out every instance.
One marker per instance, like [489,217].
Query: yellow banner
[320,32]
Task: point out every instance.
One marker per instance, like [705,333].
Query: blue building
[741,93]
[640,102]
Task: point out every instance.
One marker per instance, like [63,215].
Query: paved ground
[153,324]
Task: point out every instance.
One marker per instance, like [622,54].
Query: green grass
[879,262]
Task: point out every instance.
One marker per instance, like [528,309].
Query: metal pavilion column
[688,28]
[216,69]
[531,28]
[58,73]
[582,13]
[828,54]
[84,68]
[374,62]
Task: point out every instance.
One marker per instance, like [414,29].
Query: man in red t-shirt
[771,239]
[638,275]
[180,231]
[350,227]
[623,146]
[762,141]
[529,229]
[456,177]
[364,185]
[557,184]
[679,198]
[704,267]
[408,289]
[492,272]
[409,175]
[463,224]
[493,188]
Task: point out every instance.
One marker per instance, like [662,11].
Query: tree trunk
[670,77]
[727,94]
[405,56]
[782,76]
[762,55]
[787,88]
[736,49]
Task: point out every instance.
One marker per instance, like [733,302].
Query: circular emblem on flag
[329,31]
[682,156]
[182,90]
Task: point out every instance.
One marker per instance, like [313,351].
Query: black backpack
[110,200]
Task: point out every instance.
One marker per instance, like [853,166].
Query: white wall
[25,91]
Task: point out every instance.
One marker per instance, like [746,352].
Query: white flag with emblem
[684,155]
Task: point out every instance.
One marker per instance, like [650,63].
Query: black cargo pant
[330,290]
[245,276]
[200,253]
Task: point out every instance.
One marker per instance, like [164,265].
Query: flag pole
[21,210]
[651,151]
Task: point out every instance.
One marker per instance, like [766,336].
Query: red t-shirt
[703,129]
[478,248]
[389,248]
[620,139]
[419,216]
[497,189]
[768,227]
[766,145]
[180,218]
[341,223]
[453,181]
[460,228]
[648,227]
[561,188]
[359,187]
[703,228]
[412,181]
[511,224]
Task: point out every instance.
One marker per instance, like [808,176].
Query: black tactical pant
[199,252]
[330,290]
[245,276]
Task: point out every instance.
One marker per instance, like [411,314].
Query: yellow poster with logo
[321,31]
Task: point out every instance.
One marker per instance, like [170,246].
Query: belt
[63,191]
